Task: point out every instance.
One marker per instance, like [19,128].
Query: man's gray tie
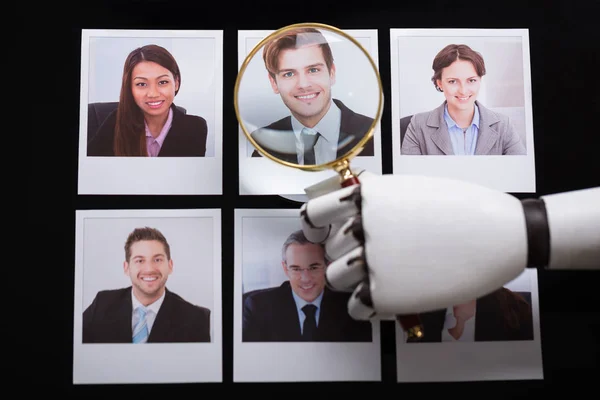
[309,145]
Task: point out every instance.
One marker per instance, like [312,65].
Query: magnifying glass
[326,112]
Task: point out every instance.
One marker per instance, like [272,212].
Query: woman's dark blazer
[187,137]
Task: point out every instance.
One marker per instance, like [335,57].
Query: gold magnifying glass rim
[342,161]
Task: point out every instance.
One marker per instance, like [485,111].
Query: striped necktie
[140,331]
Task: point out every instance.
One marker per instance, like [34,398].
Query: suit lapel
[488,135]
[348,136]
[163,323]
[438,130]
[168,147]
[287,315]
[327,318]
[120,324]
[284,126]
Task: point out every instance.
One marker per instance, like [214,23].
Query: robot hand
[410,244]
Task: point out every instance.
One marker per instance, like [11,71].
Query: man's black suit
[353,128]
[270,315]
[492,319]
[108,320]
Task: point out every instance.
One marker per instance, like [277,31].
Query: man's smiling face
[304,83]
[148,268]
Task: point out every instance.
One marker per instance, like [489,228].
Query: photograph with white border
[183,334]
[495,337]
[188,158]
[272,281]
[422,126]
[259,107]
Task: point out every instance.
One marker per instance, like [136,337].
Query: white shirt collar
[300,302]
[154,307]
[328,126]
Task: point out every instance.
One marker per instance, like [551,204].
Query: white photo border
[131,364]
[295,362]
[513,174]
[151,175]
[473,361]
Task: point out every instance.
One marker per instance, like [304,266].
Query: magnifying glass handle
[411,324]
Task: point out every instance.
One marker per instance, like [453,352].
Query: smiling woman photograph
[146,121]
[461,125]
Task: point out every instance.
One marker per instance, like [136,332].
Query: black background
[564,49]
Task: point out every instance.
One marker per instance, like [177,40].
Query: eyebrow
[311,265]
[470,77]
[308,66]
[156,255]
[158,77]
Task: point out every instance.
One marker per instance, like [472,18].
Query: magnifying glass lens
[309,96]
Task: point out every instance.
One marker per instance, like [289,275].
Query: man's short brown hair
[145,233]
[294,39]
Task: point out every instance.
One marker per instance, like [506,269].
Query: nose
[303,81]
[152,92]
[304,276]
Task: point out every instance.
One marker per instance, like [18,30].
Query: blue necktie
[140,331]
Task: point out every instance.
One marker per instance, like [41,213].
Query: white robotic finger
[331,207]
[348,237]
[315,234]
[359,304]
[345,273]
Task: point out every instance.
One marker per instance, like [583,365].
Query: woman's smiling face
[460,84]
[153,88]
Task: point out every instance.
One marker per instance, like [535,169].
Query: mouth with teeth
[307,97]
[155,104]
[149,279]
[307,287]
[463,99]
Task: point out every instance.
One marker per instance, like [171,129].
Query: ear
[176,86]
[170,266]
[125,267]
[285,270]
[332,74]
[438,82]
[273,83]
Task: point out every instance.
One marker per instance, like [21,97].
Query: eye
[287,74]
[140,84]
[163,82]
[314,70]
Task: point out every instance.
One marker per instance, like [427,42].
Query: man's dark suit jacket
[108,320]
[270,315]
[353,128]
[489,321]
[186,138]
